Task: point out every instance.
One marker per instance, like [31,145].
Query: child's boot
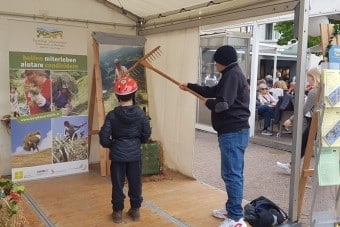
[117,216]
[134,214]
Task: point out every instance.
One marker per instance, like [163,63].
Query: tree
[286,30]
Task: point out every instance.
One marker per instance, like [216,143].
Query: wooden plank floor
[84,200]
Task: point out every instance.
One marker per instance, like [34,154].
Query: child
[125,128]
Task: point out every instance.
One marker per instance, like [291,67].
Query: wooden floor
[84,200]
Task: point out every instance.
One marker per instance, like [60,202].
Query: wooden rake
[146,62]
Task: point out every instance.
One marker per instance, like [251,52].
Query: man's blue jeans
[232,147]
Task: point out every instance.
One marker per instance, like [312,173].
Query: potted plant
[10,197]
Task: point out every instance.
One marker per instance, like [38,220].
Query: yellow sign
[18,175]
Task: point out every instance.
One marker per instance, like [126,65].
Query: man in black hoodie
[228,102]
[125,128]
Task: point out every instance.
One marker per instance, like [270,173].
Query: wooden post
[326,31]
[96,102]
[306,171]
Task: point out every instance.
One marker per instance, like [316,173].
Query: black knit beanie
[225,55]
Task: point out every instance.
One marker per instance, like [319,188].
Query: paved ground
[262,177]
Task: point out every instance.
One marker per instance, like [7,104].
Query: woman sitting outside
[265,107]
[278,89]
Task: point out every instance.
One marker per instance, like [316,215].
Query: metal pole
[253,78]
[275,66]
[303,14]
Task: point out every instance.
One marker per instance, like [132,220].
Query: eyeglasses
[263,88]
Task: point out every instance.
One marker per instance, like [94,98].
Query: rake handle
[146,64]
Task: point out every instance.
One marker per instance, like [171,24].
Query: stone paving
[262,177]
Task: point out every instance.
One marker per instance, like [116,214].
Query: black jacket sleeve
[146,130]
[217,105]
[205,91]
[105,132]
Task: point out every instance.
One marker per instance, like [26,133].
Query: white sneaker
[231,223]
[220,213]
[285,167]
[266,133]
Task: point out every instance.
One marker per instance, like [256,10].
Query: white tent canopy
[154,16]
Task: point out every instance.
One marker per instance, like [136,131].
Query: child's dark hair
[127,97]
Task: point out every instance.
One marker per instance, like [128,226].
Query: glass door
[208,74]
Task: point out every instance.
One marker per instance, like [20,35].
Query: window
[269,31]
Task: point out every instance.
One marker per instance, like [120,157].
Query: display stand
[326,34]
[325,206]
[97,103]
[325,128]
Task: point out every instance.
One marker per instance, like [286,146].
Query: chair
[286,114]
[258,120]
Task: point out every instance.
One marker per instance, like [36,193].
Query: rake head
[146,62]
[137,68]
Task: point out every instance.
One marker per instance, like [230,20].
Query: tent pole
[302,12]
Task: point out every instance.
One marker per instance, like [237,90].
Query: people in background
[269,83]
[261,81]
[38,91]
[285,74]
[210,80]
[124,129]
[285,102]
[278,89]
[120,70]
[313,79]
[291,89]
[293,79]
[228,102]
[278,75]
[265,107]
[269,80]
[268,76]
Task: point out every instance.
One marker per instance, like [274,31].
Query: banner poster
[115,61]
[49,100]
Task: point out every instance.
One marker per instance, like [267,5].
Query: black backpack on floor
[262,212]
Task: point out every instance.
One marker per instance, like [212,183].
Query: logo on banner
[54,33]
[49,38]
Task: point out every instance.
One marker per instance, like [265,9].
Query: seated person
[265,107]
[291,88]
[278,89]
[285,103]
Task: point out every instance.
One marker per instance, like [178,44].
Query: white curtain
[173,111]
